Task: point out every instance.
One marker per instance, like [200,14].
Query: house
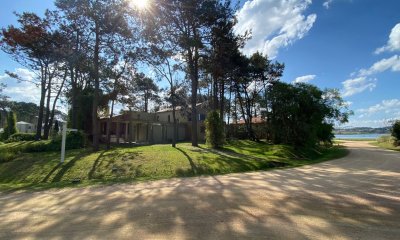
[143,127]
[25,127]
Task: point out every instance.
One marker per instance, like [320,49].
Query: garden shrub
[10,127]
[396,132]
[75,140]
[18,137]
[7,156]
[214,130]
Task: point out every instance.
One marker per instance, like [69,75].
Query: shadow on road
[354,197]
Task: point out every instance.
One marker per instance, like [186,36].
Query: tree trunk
[215,93]
[222,99]
[56,99]
[74,106]
[41,105]
[174,135]
[146,102]
[194,77]
[109,122]
[47,115]
[95,128]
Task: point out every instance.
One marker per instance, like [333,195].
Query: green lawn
[122,164]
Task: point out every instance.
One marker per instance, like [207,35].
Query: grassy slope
[42,170]
[386,145]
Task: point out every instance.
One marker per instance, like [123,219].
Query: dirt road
[356,197]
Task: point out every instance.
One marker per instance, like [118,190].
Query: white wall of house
[24,127]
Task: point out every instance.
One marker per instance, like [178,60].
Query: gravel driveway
[356,197]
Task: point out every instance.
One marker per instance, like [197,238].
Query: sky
[351,45]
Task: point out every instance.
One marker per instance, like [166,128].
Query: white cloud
[327,4]
[304,79]
[381,122]
[357,85]
[391,106]
[274,24]
[385,64]
[394,41]
[23,91]
[377,115]
[362,80]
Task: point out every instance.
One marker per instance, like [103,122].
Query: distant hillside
[362,130]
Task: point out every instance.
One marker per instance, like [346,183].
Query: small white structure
[24,127]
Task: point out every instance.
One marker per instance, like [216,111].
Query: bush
[18,137]
[10,128]
[214,130]
[7,156]
[386,139]
[396,132]
[74,140]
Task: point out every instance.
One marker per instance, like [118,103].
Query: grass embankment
[387,142]
[386,145]
[122,164]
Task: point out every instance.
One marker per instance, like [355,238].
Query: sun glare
[140,4]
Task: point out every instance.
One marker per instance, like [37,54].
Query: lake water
[358,136]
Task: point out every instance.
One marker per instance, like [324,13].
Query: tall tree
[3,105]
[103,23]
[224,46]
[35,44]
[10,127]
[301,114]
[188,25]
[250,80]
[146,89]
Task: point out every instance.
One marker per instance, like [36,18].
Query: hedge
[18,137]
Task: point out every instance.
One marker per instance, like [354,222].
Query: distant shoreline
[369,136]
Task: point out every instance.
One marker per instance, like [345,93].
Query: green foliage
[214,130]
[388,142]
[18,137]
[396,132]
[302,114]
[11,126]
[26,112]
[325,133]
[10,151]
[386,139]
[74,140]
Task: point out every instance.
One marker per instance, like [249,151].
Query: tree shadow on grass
[243,162]
[194,169]
[332,200]
[66,167]
[95,165]
[45,179]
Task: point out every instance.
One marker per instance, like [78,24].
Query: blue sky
[351,45]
